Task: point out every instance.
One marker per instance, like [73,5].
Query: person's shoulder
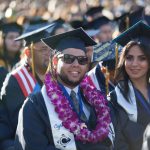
[33,103]
[146,140]
[9,81]
[35,99]
[112,97]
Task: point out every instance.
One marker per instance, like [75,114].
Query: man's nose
[75,62]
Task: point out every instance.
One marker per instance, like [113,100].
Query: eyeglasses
[69,59]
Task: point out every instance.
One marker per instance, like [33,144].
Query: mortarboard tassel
[32,53]
[116,54]
[107,81]
[107,77]
[127,22]
[2,63]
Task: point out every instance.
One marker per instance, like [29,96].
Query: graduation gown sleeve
[10,104]
[3,73]
[146,140]
[33,131]
[131,132]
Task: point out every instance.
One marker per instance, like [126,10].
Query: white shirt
[85,110]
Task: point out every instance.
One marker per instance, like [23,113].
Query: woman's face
[136,64]
[11,45]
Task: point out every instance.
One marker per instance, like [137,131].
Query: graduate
[104,25]
[132,93]
[10,50]
[21,82]
[102,75]
[69,113]
[93,13]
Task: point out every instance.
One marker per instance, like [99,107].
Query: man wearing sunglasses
[69,113]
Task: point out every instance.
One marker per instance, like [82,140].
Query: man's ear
[55,61]
[27,52]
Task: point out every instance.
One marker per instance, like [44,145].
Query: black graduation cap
[72,39]
[136,15]
[60,23]
[97,23]
[11,27]
[147,19]
[139,32]
[35,23]
[128,19]
[93,10]
[122,21]
[76,23]
[35,35]
[37,20]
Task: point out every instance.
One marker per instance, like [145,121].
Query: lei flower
[70,119]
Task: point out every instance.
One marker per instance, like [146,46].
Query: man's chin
[74,82]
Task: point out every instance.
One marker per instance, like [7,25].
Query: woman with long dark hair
[132,93]
[10,49]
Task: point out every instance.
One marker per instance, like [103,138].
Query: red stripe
[91,82]
[30,86]
[33,77]
[21,84]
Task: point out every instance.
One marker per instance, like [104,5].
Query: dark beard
[66,81]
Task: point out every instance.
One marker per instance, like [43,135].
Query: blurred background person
[60,27]
[93,13]
[10,50]
[103,24]
[27,78]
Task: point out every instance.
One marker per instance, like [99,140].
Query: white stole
[131,106]
[92,75]
[59,132]
[63,139]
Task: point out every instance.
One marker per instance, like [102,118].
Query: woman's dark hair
[121,74]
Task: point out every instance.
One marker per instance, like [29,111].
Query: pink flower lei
[70,119]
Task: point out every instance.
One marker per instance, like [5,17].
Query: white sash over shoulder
[63,139]
[131,106]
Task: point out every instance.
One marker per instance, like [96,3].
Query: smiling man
[67,100]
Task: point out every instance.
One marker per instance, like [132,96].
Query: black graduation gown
[37,134]
[132,131]
[3,73]
[101,79]
[12,100]
[146,139]
[10,104]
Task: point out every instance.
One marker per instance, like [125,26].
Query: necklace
[70,119]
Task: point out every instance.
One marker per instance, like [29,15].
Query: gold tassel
[107,77]
[2,63]
[127,22]
[107,80]
[116,54]
[32,55]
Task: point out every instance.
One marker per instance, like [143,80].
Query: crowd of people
[75,85]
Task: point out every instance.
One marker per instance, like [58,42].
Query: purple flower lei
[70,119]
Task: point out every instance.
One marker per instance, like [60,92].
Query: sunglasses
[69,59]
